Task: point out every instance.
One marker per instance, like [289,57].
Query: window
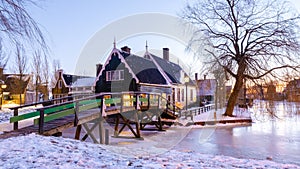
[178,95]
[115,75]
[60,84]
[191,95]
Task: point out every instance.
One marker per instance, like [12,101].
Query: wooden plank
[89,106]
[113,100]
[37,113]
[84,102]
[24,116]
[143,99]
[59,108]
[59,115]
[56,115]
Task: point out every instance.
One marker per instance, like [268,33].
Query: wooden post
[137,124]
[101,130]
[136,101]
[148,101]
[106,136]
[102,106]
[122,104]
[116,132]
[78,130]
[76,113]
[16,124]
[41,121]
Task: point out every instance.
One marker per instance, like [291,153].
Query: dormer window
[115,75]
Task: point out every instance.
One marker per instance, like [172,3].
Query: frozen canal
[277,138]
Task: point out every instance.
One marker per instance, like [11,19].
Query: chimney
[196,76]
[126,49]
[204,77]
[98,68]
[58,73]
[166,54]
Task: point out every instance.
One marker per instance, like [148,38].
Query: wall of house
[180,95]
[128,84]
[14,99]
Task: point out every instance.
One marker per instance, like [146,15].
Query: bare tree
[37,71]
[3,56]
[17,25]
[249,39]
[56,67]
[46,74]
[20,68]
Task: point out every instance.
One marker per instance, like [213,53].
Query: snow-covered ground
[35,151]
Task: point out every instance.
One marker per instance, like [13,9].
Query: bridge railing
[75,106]
[191,112]
[16,109]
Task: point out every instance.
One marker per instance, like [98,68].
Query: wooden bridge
[134,110]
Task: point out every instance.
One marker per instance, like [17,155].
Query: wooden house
[124,71]
[72,85]
[292,91]
[206,90]
[15,89]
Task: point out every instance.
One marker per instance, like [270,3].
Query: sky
[70,24]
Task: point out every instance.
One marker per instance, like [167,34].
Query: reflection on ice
[274,134]
[275,110]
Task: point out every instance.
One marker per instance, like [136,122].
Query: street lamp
[186,80]
[3,86]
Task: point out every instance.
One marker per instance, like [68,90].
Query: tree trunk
[234,96]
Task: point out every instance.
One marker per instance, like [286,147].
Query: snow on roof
[87,81]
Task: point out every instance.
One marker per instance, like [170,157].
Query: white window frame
[115,75]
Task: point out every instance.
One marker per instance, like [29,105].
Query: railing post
[122,104]
[16,124]
[76,113]
[137,107]
[102,108]
[148,100]
[41,121]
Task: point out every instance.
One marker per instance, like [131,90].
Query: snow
[35,151]
[155,151]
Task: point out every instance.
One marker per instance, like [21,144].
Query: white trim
[156,85]
[62,78]
[111,73]
[120,56]
[168,80]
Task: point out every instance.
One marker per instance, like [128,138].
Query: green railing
[74,107]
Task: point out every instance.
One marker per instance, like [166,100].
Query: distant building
[207,90]
[292,91]
[72,85]
[14,88]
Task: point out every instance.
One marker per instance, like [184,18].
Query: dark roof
[70,79]
[144,69]
[171,69]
